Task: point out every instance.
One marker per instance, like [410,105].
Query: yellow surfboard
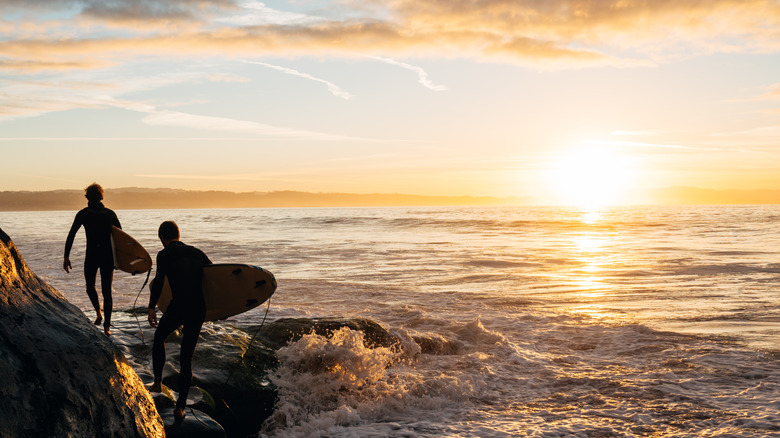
[229,289]
[129,255]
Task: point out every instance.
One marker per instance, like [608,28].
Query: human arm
[156,287]
[152,317]
[77,222]
[115,220]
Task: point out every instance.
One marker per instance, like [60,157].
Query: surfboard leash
[240,361]
[140,329]
[137,321]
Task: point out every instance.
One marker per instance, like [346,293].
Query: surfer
[183,266]
[97,221]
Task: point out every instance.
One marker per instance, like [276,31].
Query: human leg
[106,279]
[169,322]
[191,330]
[90,276]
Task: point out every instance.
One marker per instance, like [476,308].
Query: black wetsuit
[183,265]
[97,221]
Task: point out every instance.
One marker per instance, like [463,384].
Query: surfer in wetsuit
[183,266]
[97,221]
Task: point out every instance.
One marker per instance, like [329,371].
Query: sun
[593,177]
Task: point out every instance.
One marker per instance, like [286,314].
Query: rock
[233,376]
[61,376]
[287,330]
[232,390]
[231,381]
[196,423]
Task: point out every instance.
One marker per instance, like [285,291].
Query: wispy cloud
[649,145]
[770,92]
[422,76]
[633,133]
[333,88]
[254,13]
[194,121]
[30,98]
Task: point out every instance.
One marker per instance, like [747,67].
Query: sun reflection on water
[591,249]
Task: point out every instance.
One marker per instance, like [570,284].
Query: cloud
[649,145]
[253,13]
[29,99]
[562,33]
[133,11]
[47,38]
[422,76]
[633,133]
[761,136]
[193,121]
[333,88]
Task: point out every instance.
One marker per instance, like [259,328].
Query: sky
[559,100]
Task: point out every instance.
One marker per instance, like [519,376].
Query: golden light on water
[591,248]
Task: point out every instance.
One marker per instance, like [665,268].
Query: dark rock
[437,345]
[231,365]
[288,330]
[196,423]
[230,381]
[61,376]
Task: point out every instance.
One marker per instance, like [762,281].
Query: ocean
[541,322]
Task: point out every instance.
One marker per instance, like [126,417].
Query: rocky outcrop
[229,374]
[288,330]
[231,366]
[60,375]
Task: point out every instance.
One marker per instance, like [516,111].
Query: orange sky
[564,101]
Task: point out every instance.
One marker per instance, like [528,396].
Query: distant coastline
[143,198]
[133,198]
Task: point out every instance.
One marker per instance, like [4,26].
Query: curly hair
[94,192]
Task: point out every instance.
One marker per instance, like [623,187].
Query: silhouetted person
[97,221]
[183,266]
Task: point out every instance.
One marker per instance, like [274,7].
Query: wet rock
[230,381]
[196,423]
[230,369]
[437,345]
[288,330]
[61,376]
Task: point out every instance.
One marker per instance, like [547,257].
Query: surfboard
[129,255]
[229,289]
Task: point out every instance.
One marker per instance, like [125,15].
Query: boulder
[288,330]
[229,375]
[61,376]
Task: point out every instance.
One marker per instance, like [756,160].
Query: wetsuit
[183,265]
[97,221]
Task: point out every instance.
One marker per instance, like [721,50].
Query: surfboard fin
[260,283]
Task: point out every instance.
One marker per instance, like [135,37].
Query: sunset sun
[592,178]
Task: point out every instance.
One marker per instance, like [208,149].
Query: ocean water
[544,322]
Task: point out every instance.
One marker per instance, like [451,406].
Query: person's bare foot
[99,319]
[178,414]
[155,387]
[107,330]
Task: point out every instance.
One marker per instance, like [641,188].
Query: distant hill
[695,195]
[135,198]
[142,198]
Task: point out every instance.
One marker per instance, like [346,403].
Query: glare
[592,178]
